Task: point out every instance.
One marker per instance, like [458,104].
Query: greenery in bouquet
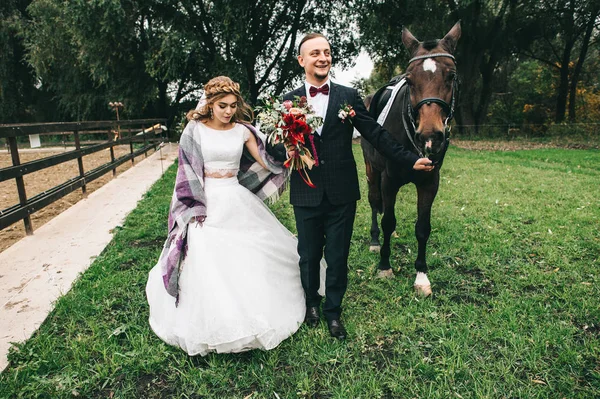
[292,123]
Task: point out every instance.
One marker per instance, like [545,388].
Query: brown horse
[418,119]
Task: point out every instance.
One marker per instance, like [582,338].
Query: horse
[418,118]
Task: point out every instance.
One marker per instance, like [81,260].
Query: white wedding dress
[240,283]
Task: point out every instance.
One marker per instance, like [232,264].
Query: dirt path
[40,181]
[514,145]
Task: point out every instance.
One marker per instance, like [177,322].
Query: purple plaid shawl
[189,199]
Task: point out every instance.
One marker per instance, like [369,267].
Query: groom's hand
[291,152]
[423,164]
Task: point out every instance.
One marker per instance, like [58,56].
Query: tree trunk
[563,85]
[469,94]
[163,101]
[579,66]
[485,96]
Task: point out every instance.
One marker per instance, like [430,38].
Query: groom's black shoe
[336,329]
[312,317]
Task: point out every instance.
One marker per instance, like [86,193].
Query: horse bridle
[447,108]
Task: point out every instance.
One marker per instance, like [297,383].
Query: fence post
[112,151]
[154,138]
[131,146]
[145,142]
[14,152]
[80,162]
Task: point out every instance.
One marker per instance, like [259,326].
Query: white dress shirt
[319,102]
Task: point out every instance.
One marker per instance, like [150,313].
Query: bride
[228,278]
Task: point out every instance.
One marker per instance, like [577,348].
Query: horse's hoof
[388,273]
[375,248]
[423,290]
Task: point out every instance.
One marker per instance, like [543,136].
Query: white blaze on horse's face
[429,65]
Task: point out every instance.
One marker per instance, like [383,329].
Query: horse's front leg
[374,186]
[389,190]
[425,197]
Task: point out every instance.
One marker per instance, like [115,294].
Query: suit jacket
[336,175]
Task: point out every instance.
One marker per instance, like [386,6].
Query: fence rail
[144,132]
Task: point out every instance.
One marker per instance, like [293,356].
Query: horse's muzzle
[431,145]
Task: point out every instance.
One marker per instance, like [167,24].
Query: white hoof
[375,248]
[389,273]
[422,285]
[423,290]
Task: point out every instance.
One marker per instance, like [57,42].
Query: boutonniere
[346,111]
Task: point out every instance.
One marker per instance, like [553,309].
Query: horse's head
[432,82]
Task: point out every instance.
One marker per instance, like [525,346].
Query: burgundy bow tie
[323,89]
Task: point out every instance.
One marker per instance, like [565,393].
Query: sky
[362,69]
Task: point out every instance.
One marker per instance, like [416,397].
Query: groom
[325,214]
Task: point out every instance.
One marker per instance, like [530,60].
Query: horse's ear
[449,41]
[410,42]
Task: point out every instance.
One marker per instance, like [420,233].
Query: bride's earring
[210,112]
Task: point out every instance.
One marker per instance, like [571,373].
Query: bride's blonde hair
[216,89]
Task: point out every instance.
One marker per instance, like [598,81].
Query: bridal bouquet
[292,123]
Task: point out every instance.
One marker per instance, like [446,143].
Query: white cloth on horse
[386,110]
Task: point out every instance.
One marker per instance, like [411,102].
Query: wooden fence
[142,132]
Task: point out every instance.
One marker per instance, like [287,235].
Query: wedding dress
[240,283]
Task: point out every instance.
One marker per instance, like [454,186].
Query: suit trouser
[329,226]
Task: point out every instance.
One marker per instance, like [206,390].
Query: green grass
[514,257]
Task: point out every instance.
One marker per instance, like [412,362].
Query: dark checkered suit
[325,214]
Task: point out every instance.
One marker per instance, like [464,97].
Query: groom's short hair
[308,37]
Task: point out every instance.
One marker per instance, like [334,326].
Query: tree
[17,80]
[154,55]
[564,46]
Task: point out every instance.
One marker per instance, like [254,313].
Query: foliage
[153,55]
[17,81]
[66,59]
[563,45]
[527,97]
[89,53]
[515,311]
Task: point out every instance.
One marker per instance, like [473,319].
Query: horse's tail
[373,175]
[368,100]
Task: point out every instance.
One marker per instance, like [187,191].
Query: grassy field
[514,258]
